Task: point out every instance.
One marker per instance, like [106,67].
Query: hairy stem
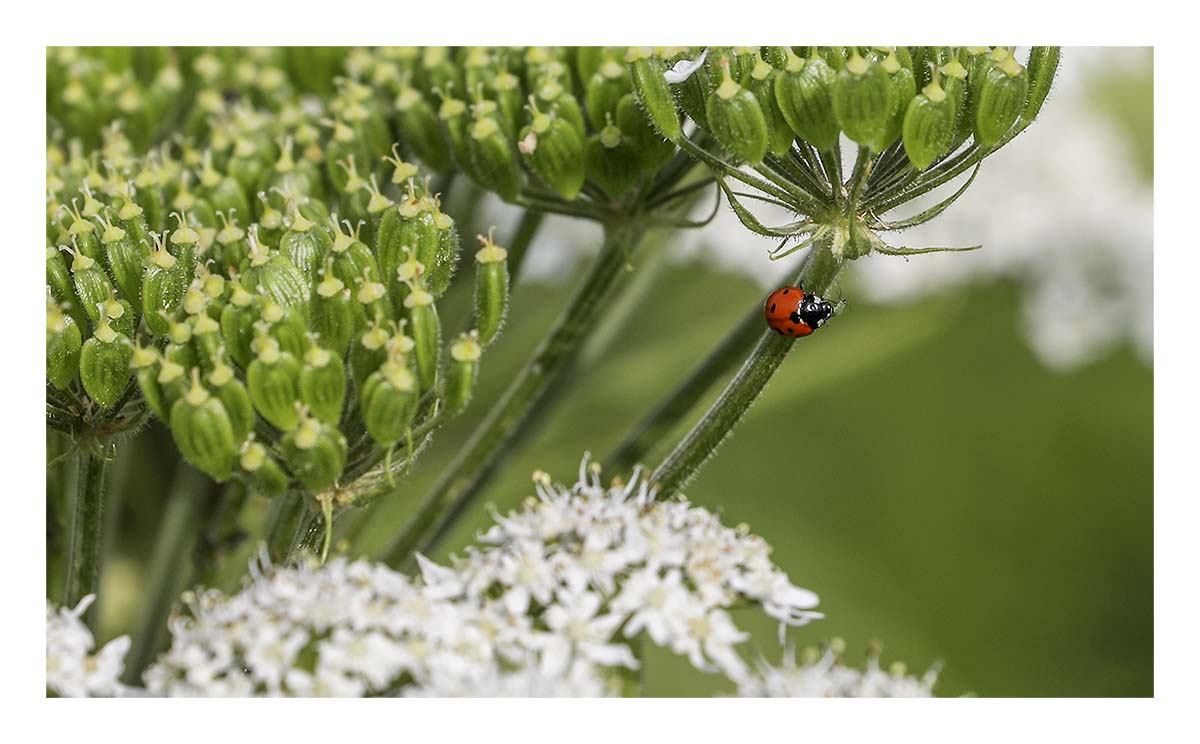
[87,526]
[717,423]
[169,567]
[519,406]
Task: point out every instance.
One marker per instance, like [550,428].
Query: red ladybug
[792,312]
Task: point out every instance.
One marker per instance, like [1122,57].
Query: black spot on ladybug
[772,307]
[790,331]
[786,291]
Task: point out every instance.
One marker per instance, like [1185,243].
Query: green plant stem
[518,247]
[701,442]
[169,567]
[520,404]
[87,526]
[659,422]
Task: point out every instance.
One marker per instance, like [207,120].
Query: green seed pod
[179,349]
[82,234]
[929,125]
[611,162]
[124,260]
[315,453]
[464,369]
[264,474]
[275,276]
[62,287]
[63,345]
[272,380]
[445,258]
[389,401]
[231,250]
[491,289]
[493,160]
[147,366]
[232,394]
[693,92]
[323,384]
[331,312]
[761,84]
[237,323]
[104,363]
[906,89]
[978,63]
[653,92]
[804,94]
[121,316]
[207,341]
[287,326]
[1001,101]
[305,246]
[954,82]
[203,432]
[604,89]
[368,352]
[554,151]
[510,99]
[864,102]
[1042,66]
[413,233]
[736,120]
[185,242]
[92,286]
[426,332]
[556,100]
[420,129]
[650,149]
[132,219]
[456,123]
[164,283]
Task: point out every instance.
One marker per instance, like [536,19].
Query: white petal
[684,68]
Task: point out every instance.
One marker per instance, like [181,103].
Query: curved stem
[517,408]
[87,526]
[659,422]
[702,441]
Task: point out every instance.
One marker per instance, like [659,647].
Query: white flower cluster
[548,606]
[346,629]
[600,564]
[825,676]
[72,670]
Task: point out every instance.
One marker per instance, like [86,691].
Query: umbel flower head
[72,669]
[548,604]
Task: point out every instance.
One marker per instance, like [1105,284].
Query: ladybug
[792,312]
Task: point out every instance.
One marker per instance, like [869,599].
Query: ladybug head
[814,311]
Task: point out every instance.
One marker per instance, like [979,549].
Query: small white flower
[71,669]
[578,629]
[684,68]
[654,603]
[711,635]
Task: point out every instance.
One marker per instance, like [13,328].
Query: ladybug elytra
[790,311]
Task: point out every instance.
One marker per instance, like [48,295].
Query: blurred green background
[961,502]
